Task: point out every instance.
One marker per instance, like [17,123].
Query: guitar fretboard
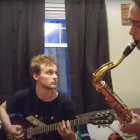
[52,127]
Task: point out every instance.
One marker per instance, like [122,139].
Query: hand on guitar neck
[66,131]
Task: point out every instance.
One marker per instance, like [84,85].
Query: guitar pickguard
[36,122]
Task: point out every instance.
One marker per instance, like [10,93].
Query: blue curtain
[61,55]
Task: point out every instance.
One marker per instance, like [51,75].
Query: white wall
[126,77]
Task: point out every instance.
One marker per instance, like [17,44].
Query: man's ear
[35,76]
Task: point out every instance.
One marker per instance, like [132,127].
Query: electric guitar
[30,131]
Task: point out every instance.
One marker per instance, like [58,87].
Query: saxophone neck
[101,71]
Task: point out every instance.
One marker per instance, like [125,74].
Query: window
[55,33]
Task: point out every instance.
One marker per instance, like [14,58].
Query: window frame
[55,10]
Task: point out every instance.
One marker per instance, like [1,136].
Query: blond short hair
[38,60]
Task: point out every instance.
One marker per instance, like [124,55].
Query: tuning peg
[96,122]
[107,112]
[103,113]
[107,121]
[101,121]
[98,126]
[98,113]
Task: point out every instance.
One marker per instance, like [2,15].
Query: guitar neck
[53,127]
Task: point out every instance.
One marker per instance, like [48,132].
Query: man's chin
[53,87]
[138,46]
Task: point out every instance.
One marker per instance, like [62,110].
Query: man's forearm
[4,117]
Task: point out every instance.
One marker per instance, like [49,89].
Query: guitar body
[16,120]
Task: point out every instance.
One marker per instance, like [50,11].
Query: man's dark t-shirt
[26,102]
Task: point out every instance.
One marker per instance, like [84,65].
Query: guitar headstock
[101,118]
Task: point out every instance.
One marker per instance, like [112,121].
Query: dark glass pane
[63,36]
[56,21]
[61,55]
[63,23]
[52,21]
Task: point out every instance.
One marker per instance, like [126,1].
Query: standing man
[134,17]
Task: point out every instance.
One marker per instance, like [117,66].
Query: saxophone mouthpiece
[130,47]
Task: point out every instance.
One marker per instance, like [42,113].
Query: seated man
[42,101]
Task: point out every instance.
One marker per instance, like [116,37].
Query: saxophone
[110,96]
